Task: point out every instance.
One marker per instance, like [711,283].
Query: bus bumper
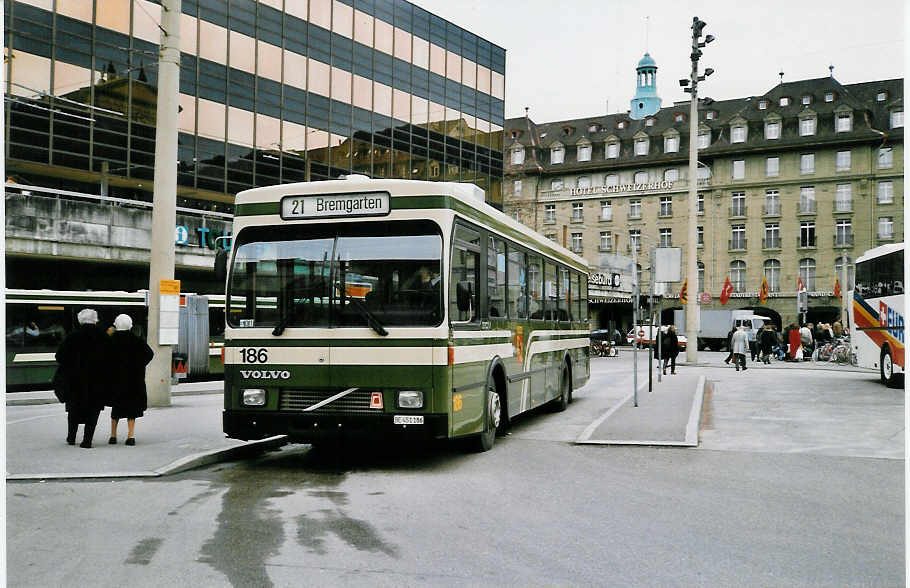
[305,428]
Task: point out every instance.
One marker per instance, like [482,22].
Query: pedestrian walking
[767,339]
[83,357]
[730,345]
[669,349]
[740,341]
[128,399]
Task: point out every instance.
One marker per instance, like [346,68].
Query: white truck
[715,324]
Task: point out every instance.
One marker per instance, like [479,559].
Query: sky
[576,58]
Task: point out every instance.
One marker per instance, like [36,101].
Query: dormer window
[649,122]
[897,119]
[679,117]
[641,146]
[594,128]
[829,96]
[806,100]
[738,134]
[762,104]
[710,115]
[807,126]
[671,144]
[772,129]
[516,134]
[881,96]
[843,122]
[584,153]
[621,124]
[518,155]
[785,101]
[557,154]
[612,150]
[566,131]
[704,140]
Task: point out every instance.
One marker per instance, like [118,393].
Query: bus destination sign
[335,205]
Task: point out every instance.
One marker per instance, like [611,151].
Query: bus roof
[468,194]
[880,250]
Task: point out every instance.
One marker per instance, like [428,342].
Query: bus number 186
[254,355]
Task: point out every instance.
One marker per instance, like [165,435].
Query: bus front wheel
[886,369]
[492,419]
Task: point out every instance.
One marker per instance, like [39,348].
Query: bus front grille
[357,401]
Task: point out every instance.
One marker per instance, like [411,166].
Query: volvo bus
[386,308]
[877,312]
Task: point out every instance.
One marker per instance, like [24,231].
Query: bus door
[469,370]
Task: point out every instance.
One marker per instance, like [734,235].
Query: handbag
[60,385]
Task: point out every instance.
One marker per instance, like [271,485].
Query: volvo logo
[266,374]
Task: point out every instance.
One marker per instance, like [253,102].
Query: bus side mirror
[464,291]
[221,265]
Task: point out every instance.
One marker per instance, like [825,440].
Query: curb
[183,464]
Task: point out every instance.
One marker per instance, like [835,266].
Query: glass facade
[270,92]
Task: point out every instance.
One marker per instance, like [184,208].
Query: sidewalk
[172,439]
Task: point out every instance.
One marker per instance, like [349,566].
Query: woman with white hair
[82,357]
[128,398]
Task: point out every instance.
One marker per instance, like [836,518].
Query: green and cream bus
[371,307]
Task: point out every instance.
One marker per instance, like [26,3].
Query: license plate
[401,419]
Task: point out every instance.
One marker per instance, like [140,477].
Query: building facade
[792,184]
[271,91]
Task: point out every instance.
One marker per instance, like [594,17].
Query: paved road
[537,510]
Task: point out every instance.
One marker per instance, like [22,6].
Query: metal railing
[807,207]
[738,210]
[843,240]
[736,244]
[805,243]
[771,210]
[771,243]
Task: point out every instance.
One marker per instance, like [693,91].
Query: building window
[772,274]
[584,153]
[738,237]
[885,192]
[881,96]
[738,134]
[772,167]
[680,117]
[666,237]
[556,184]
[739,169]
[785,101]
[897,119]
[807,199]
[829,96]
[666,206]
[807,273]
[612,150]
[807,99]
[885,158]
[518,156]
[704,140]
[886,227]
[772,130]
[549,213]
[710,115]
[806,127]
[671,175]
[584,181]
[700,236]
[557,154]
[738,275]
[762,104]
[807,234]
[606,241]
[772,203]
[641,177]
[704,173]
[593,128]
[606,210]
[641,146]
[843,122]
[842,161]
[649,122]
[839,272]
[700,204]
[738,204]
[671,144]
[621,124]
[807,163]
[578,212]
[634,208]
[843,232]
[516,187]
[576,242]
[635,239]
[843,198]
[612,180]
[701,277]
[772,236]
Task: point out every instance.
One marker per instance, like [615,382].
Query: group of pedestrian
[102,368]
[795,344]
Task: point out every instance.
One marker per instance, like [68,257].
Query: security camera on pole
[692,254]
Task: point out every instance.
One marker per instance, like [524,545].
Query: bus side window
[583,299]
[535,288]
[465,268]
[565,295]
[551,293]
[576,297]
[496,278]
[517,284]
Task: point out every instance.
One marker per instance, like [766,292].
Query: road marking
[43,416]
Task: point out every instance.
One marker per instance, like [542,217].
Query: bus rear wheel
[492,420]
[561,402]
[886,369]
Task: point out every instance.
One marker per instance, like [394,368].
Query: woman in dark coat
[83,357]
[670,349]
[128,396]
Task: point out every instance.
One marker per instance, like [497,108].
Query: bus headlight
[254,397]
[410,399]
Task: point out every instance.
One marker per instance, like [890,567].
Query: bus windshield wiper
[372,321]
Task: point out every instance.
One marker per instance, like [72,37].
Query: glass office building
[272,91]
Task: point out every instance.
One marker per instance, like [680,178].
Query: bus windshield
[373,274]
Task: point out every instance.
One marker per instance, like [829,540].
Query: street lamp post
[692,254]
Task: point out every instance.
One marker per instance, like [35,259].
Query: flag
[836,286]
[726,291]
[684,292]
[800,286]
[763,292]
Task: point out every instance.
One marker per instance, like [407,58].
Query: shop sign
[620,188]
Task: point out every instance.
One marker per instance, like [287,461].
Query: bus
[37,321]
[877,312]
[394,308]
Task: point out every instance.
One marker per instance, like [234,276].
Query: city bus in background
[37,321]
[394,308]
[877,312]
